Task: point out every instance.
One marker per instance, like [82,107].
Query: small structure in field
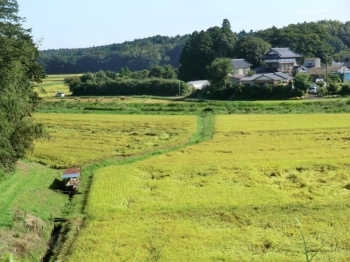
[71,178]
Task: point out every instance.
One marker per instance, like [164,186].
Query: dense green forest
[325,39]
[136,55]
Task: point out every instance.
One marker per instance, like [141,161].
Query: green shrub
[333,88]
[345,89]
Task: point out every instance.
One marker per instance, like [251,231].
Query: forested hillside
[325,39]
[136,55]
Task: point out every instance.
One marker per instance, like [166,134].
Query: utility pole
[343,69]
[326,71]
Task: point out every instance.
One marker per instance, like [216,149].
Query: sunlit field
[234,198]
[51,85]
[77,139]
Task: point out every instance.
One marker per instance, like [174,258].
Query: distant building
[241,68]
[299,69]
[317,72]
[278,60]
[344,73]
[312,62]
[266,78]
[279,65]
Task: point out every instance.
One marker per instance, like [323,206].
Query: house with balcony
[278,60]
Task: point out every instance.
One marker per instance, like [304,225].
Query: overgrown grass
[27,203]
[196,107]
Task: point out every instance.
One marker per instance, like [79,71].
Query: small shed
[71,178]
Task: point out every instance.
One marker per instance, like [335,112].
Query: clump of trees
[202,48]
[112,84]
[218,73]
[18,69]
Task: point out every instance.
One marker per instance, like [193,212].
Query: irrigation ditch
[66,229]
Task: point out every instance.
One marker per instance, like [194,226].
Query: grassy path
[25,197]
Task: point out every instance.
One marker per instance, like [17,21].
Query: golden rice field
[77,139]
[234,198]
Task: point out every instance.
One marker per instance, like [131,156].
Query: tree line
[125,82]
[136,55]
[326,39]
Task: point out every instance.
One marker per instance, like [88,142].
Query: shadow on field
[56,185]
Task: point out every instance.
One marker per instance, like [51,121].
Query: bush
[345,89]
[334,78]
[333,88]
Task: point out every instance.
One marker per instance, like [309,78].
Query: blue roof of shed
[70,175]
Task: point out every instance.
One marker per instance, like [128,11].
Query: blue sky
[86,23]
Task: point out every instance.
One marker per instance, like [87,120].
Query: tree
[334,78]
[170,72]
[333,87]
[301,82]
[195,57]
[251,48]
[142,74]
[165,72]
[226,24]
[202,48]
[307,39]
[125,72]
[157,72]
[18,69]
[218,73]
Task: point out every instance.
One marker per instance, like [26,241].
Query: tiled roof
[323,70]
[240,64]
[277,76]
[283,75]
[276,53]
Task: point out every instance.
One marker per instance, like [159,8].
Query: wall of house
[312,62]
[285,67]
